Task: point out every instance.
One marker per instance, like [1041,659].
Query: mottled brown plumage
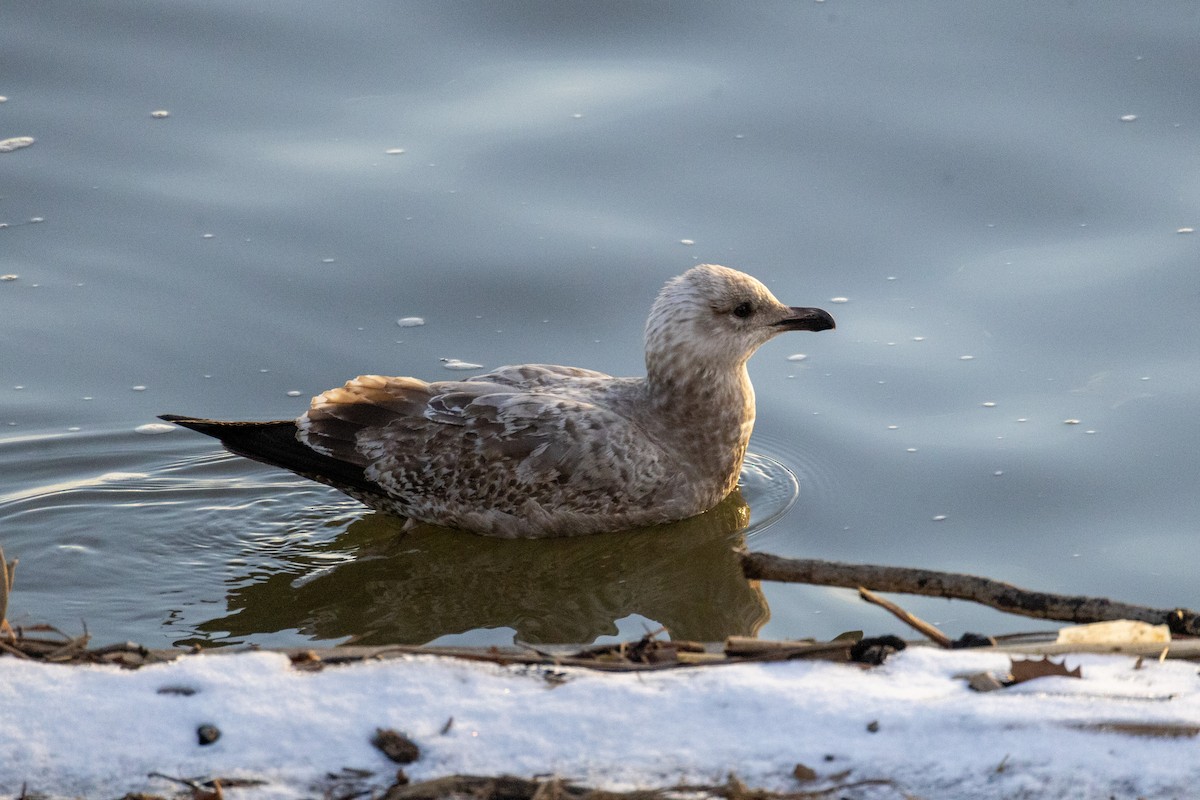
[543,450]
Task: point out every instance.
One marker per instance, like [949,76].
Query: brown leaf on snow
[1028,669]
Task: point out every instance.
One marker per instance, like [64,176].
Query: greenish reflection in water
[391,586]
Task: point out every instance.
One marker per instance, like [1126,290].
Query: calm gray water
[995,189]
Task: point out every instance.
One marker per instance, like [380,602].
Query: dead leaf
[1028,669]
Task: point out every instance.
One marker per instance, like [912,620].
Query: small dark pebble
[401,777]
[183,691]
[875,649]
[207,734]
[396,746]
[873,726]
[804,773]
[973,640]
[830,757]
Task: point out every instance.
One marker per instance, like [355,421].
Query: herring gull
[542,450]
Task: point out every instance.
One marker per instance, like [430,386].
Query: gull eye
[743,310]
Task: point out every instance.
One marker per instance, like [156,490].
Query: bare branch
[997,594]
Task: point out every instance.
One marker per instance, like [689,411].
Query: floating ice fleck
[1022,419]
[939,517]
[1128,117]
[9,277]
[918,338]
[154,428]
[998,472]
[328,260]
[207,236]
[893,427]
[1070,422]
[966,358]
[454,363]
[577,116]
[293,393]
[3,99]
[15,143]
[410,322]
[911,450]
[74,429]
[797,357]
[138,388]
[160,114]
[989,404]
[839,299]
[394,151]
[688,242]
[36,220]
[1186,230]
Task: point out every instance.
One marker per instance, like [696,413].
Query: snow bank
[97,731]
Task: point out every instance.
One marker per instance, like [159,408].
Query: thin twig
[911,620]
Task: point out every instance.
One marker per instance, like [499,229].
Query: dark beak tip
[808,319]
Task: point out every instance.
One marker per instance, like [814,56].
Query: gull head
[714,317]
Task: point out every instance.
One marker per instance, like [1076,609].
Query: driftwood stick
[997,594]
[913,621]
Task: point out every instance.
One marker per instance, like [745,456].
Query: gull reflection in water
[390,586]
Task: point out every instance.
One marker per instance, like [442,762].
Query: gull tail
[275,443]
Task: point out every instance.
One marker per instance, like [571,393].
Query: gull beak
[806,319]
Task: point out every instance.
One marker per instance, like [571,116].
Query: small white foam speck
[966,358]
[839,299]
[797,357]
[1128,117]
[15,143]
[410,322]
[293,393]
[138,388]
[1185,230]
[939,518]
[688,242]
[160,114]
[1070,422]
[454,363]
[988,404]
[394,151]
[154,428]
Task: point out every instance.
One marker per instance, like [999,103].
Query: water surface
[995,190]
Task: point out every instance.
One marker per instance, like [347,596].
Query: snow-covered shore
[97,731]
